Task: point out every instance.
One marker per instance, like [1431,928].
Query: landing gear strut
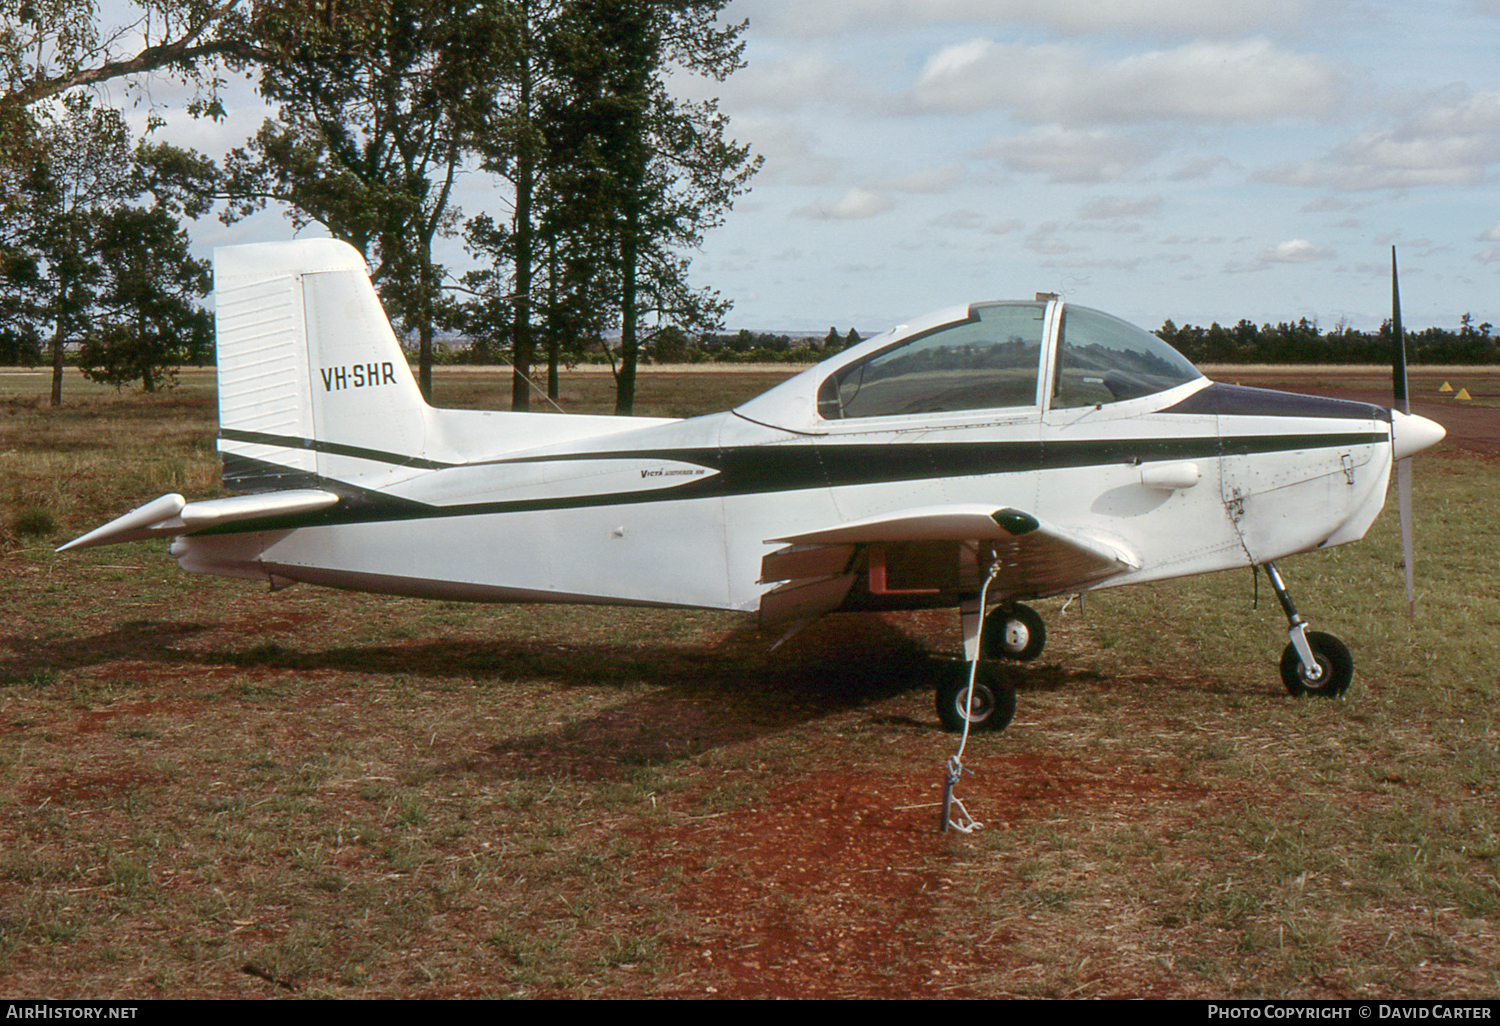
[1008,632]
[1313,663]
[974,696]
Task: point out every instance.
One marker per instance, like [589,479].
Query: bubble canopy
[1010,356]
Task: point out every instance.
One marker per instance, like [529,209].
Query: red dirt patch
[829,884]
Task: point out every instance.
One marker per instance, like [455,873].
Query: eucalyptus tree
[51,47]
[79,166]
[512,145]
[148,315]
[650,172]
[94,253]
[148,319]
[20,334]
[377,102]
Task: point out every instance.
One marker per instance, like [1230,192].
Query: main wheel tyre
[1017,633]
[1332,658]
[993,707]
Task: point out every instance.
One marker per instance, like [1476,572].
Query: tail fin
[313,386]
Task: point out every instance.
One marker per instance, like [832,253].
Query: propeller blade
[1403,501]
[1398,359]
[1401,398]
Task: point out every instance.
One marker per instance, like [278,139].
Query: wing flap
[171,515]
[800,562]
[804,599]
[1036,558]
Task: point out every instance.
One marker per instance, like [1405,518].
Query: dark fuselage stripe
[332,448]
[759,470]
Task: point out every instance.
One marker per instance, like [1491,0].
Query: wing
[818,569]
[171,515]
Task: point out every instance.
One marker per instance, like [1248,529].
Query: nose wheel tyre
[1334,662]
[1017,634]
[993,706]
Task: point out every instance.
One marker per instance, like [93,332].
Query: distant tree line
[1304,342]
[672,345]
[603,178]
[1299,342]
[746,346]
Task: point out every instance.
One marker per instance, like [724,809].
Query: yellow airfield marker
[1446,387]
[1463,393]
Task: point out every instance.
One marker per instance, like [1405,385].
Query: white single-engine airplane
[1008,450]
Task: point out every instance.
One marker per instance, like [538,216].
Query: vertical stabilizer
[313,385]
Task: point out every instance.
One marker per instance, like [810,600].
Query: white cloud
[1493,235]
[791,153]
[1166,18]
[930,180]
[1250,81]
[1044,240]
[1068,155]
[1111,207]
[1295,251]
[1452,139]
[1389,160]
[958,220]
[1193,170]
[854,205]
[791,83]
[1330,205]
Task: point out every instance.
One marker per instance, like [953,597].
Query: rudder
[313,386]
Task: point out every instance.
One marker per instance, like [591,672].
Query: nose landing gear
[1313,663]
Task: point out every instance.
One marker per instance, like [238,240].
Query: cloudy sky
[1194,159]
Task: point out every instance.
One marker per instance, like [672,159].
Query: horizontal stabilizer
[171,515]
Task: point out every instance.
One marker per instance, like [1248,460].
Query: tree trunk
[424,330]
[148,377]
[629,344]
[554,343]
[57,361]
[521,351]
[521,342]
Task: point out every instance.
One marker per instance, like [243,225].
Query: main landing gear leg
[972,696]
[971,616]
[1313,663]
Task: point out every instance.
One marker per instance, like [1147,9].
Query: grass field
[207,790]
